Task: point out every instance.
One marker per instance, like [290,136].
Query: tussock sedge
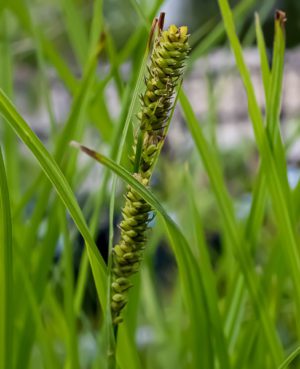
[232,307]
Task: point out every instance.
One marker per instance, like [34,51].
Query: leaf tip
[86,150]
[75,144]
[280,16]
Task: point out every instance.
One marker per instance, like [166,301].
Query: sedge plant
[164,74]
[232,308]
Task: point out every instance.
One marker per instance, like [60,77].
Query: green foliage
[230,307]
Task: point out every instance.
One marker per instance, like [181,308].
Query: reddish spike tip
[88,151]
[161,20]
[83,148]
[280,16]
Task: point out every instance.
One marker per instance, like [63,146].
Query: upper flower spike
[169,53]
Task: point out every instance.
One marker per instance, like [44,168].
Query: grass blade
[6,273]
[68,265]
[6,81]
[290,358]
[208,280]
[265,69]
[76,30]
[238,247]
[56,177]
[270,146]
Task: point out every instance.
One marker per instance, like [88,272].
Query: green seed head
[166,66]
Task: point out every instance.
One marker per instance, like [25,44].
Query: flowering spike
[167,61]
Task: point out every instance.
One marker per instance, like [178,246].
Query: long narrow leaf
[225,205]
[6,273]
[290,358]
[57,178]
[273,162]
